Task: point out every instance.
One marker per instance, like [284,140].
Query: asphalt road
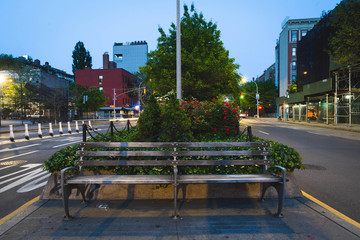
[22,177]
[331,156]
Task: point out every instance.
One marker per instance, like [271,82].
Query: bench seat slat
[228,178]
[170,153]
[168,179]
[113,163]
[121,179]
[173,144]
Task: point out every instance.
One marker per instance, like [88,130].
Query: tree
[207,69]
[81,57]
[344,44]
[267,92]
[95,99]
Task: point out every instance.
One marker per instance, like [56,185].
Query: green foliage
[172,113]
[81,57]
[149,121]
[267,92]
[207,69]
[344,44]
[95,100]
[8,62]
[212,117]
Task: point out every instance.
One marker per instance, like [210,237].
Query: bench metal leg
[175,215]
[280,189]
[66,191]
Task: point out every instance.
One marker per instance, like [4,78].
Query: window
[293,51]
[119,57]
[293,36]
[293,66]
[293,77]
[100,88]
[303,33]
[100,79]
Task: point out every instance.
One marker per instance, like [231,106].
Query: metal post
[336,100]
[178,51]
[307,108]
[350,97]
[114,104]
[112,129]
[294,114]
[249,132]
[327,108]
[84,127]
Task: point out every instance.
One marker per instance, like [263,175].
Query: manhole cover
[9,163]
[314,167]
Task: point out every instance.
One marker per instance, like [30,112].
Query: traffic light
[242,96]
[260,107]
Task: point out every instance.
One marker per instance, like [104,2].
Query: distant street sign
[257,96]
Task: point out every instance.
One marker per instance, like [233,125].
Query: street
[331,157]
[22,177]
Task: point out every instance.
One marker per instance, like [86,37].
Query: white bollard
[51,132]
[90,127]
[60,129]
[12,138]
[27,137]
[76,126]
[69,128]
[39,130]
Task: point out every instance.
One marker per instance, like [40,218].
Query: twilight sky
[48,30]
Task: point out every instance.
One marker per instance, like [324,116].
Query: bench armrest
[283,170]
[63,172]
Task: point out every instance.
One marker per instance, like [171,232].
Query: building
[110,80]
[327,92]
[130,56]
[268,75]
[293,30]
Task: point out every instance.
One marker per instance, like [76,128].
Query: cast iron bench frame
[79,181]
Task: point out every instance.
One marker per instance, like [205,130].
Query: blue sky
[48,30]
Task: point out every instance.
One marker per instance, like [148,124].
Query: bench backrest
[122,150]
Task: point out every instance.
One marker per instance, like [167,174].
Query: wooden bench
[245,153]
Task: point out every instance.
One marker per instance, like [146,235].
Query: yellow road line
[327,207]
[11,215]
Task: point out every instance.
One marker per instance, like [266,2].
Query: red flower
[196,106]
[225,117]
[227,129]
[184,107]
[234,103]
[225,111]
[207,112]
[180,105]
[215,129]
[190,115]
[234,110]
[214,99]
[227,104]
[197,101]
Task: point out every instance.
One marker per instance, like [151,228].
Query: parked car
[243,114]
[35,115]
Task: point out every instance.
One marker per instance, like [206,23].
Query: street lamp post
[178,51]
[257,100]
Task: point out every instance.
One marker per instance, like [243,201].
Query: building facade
[293,30]
[113,82]
[268,75]
[130,56]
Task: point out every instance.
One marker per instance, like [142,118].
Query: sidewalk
[201,219]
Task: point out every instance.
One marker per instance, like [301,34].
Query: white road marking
[18,148]
[66,144]
[264,132]
[3,159]
[34,184]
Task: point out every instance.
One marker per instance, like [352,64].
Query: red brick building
[108,79]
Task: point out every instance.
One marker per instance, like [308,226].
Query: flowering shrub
[209,117]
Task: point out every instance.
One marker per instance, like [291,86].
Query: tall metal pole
[350,96]
[178,51]
[114,104]
[257,100]
[336,99]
